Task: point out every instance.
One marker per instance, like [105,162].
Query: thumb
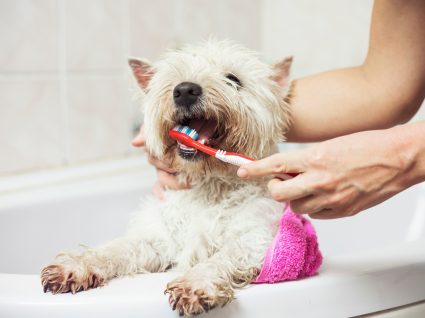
[280,163]
[139,140]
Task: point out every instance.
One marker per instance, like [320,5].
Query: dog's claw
[59,279]
[73,288]
[175,302]
[54,289]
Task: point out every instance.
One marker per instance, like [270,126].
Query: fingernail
[242,173]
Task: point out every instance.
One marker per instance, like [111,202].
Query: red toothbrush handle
[188,141]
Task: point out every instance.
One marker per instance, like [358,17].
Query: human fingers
[170,181]
[157,191]
[289,190]
[161,164]
[139,140]
[308,204]
[337,200]
[280,163]
[326,214]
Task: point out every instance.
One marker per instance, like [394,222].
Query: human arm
[387,89]
[345,175]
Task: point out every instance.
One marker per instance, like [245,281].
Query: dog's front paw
[61,279]
[187,300]
[195,297]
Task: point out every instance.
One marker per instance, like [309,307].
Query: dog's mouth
[209,133]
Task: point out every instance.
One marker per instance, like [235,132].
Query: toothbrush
[188,136]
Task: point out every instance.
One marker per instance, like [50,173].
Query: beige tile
[321,36]
[153,27]
[95,36]
[199,19]
[160,25]
[99,118]
[29,35]
[223,19]
[30,125]
[241,22]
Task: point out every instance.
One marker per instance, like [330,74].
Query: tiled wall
[65,90]
[321,35]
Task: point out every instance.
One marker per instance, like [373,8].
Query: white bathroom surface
[372,262]
[344,288]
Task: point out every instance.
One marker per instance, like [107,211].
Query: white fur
[217,232]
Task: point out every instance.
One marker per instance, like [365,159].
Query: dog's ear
[142,71]
[281,71]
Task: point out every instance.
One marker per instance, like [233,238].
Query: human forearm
[343,101]
[387,89]
[336,103]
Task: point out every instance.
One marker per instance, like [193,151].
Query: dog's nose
[186,94]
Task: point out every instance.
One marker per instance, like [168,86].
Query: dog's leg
[94,267]
[209,284]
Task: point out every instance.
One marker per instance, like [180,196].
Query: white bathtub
[373,262]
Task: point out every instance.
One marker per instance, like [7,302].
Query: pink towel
[294,252]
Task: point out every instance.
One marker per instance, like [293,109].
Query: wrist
[411,151]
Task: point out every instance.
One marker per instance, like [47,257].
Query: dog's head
[223,91]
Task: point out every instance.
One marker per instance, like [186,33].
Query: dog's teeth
[186,147]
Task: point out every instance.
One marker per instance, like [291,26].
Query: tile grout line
[56,74]
[261,19]
[63,83]
[126,48]
[178,22]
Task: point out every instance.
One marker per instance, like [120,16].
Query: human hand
[339,177]
[166,175]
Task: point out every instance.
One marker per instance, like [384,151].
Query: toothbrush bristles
[192,133]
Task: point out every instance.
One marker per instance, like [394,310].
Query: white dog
[217,232]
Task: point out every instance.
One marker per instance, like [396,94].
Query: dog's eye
[234,79]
